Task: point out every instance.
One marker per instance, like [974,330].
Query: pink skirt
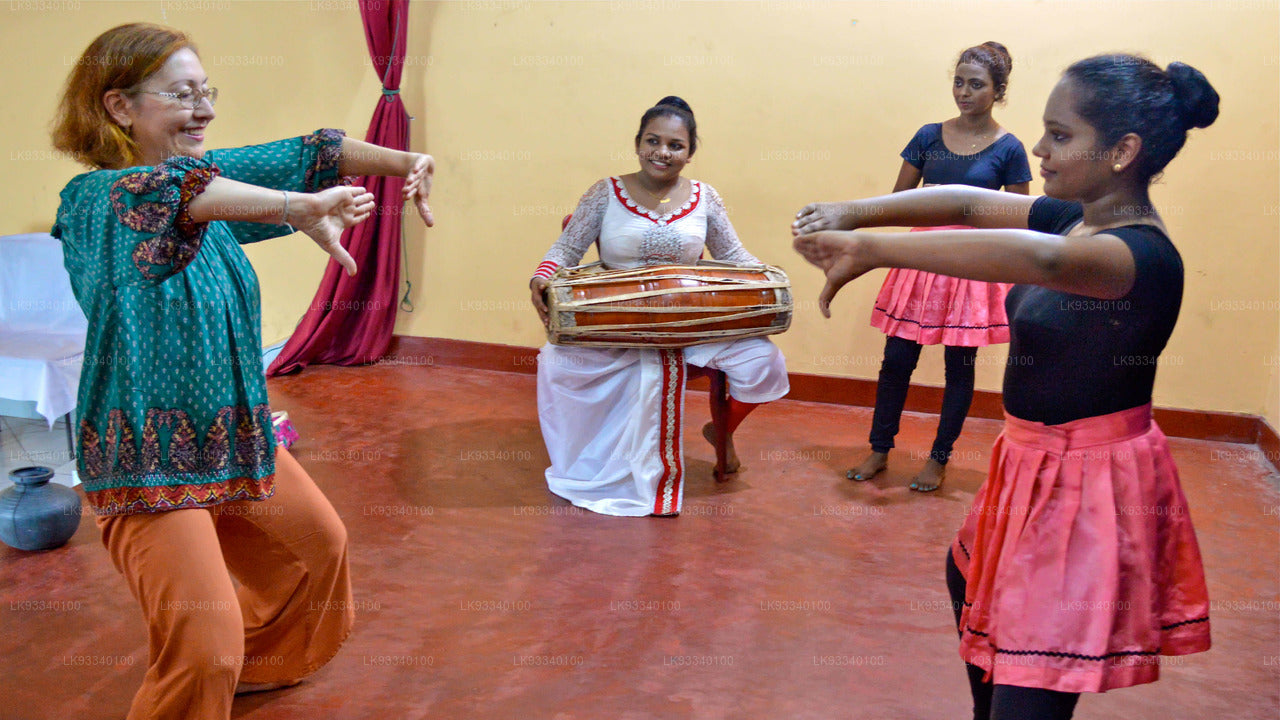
[1081,561]
[936,309]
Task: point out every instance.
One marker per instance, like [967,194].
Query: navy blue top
[1073,356]
[1002,163]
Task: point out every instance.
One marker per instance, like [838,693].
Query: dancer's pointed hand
[836,254]
[324,215]
[818,217]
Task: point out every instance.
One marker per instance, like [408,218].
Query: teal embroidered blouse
[172,409]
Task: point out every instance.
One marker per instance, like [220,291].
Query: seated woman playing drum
[611,417]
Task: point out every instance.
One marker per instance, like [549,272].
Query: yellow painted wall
[525,104]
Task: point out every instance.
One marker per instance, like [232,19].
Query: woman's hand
[417,186]
[324,215]
[817,217]
[538,289]
[839,255]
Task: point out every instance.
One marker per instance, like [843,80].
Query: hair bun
[675,102]
[1000,50]
[1196,98]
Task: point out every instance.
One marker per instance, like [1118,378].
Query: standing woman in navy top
[916,308]
[1077,565]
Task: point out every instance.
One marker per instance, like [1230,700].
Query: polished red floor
[788,592]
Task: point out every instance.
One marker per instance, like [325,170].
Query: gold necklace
[661,201]
[981,138]
[974,145]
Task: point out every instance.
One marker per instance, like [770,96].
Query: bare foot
[732,465]
[930,477]
[247,688]
[873,465]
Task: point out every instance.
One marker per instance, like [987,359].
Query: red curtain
[351,319]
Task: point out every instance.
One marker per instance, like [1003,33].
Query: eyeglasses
[189,99]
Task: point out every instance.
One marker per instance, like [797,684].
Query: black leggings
[900,358]
[1006,702]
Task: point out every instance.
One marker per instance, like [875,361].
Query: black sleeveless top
[1072,356]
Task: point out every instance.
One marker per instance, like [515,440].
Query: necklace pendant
[664,201]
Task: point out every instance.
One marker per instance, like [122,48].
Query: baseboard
[1269,443]
[1192,424]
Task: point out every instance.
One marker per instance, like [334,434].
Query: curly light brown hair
[118,59]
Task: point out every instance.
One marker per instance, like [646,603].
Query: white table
[42,329]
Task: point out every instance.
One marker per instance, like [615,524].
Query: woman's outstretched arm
[1098,266]
[362,158]
[322,215]
[937,205]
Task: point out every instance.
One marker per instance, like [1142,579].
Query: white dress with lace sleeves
[612,418]
[722,239]
[582,230]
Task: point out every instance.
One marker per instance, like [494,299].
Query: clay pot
[36,514]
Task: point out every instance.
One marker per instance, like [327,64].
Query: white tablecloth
[42,328]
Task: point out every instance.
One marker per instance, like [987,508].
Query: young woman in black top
[1078,565]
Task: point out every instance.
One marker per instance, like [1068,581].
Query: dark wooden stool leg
[720,421]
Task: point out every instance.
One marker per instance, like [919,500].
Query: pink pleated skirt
[1081,561]
[934,309]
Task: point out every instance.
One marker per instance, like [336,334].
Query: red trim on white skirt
[670,444]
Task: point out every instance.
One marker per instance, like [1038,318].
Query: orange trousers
[288,616]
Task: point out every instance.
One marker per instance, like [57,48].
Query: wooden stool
[719,396]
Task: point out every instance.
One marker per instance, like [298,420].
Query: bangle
[284,220]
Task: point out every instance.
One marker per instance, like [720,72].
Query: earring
[1117,167]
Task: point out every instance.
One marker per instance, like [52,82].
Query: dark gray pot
[36,514]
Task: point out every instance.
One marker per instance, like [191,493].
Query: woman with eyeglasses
[177,452]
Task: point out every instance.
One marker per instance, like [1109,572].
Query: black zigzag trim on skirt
[1072,656]
[1193,621]
[935,327]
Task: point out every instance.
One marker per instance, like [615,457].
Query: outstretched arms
[322,215]
[937,205]
[1098,266]
[418,169]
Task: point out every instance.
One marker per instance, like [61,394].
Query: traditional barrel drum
[666,305]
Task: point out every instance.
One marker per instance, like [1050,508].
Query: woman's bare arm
[909,177]
[322,216]
[1098,266]
[931,206]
